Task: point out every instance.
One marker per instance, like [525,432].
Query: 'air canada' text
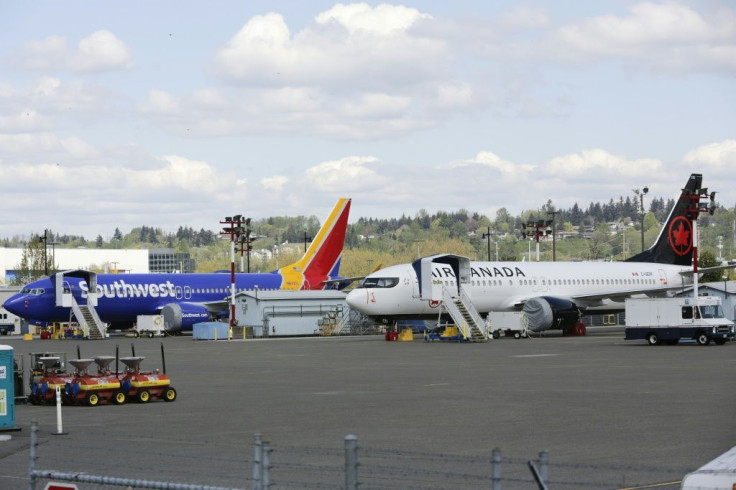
[446,271]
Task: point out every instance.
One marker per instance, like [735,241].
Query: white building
[287,313]
[110,260]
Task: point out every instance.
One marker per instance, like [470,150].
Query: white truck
[149,326]
[511,323]
[667,320]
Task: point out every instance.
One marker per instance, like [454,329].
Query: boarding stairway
[466,317]
[89,320]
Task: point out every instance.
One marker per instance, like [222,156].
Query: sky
[169,113]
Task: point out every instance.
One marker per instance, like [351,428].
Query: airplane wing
[347,281]
[591,299]
[715,268]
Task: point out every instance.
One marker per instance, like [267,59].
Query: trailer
[149,326]
[48,372]
[144,386]
[668,320]
[93,389]
[508,323]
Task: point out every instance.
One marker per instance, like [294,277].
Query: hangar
[276,313]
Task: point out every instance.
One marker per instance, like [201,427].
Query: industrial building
[726,290]
[103,259]
[276,313]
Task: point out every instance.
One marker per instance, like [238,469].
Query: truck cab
[667,320]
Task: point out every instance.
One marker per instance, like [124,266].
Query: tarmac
[611,413]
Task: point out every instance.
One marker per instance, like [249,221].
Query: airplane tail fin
[322,258]
[674,244]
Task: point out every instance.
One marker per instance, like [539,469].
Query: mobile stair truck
[667,320]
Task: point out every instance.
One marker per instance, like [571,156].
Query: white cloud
[347,174]
[487,160]
[274,183]
[601,164]
[355,44]
[717,157]
[667,36]
[24,122]
[383,20]
[99,52]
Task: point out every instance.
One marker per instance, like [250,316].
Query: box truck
[667,320]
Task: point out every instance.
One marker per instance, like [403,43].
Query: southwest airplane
[552,294]
[185,299]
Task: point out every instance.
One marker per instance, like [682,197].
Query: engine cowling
[179,317]
[547,312]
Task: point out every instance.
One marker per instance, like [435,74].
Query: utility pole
[487,236]
[44,239]
[554,235]
[306,239]
[640,195]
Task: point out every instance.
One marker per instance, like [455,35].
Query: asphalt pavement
[610,413]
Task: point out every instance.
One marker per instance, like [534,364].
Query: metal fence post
[351,462]
[496,469]
[257,461]
[266,465]
[544,466]
[32,456]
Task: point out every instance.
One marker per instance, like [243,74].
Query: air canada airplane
[183,299]
[552,294]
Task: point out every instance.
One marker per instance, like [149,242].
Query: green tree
[708,259]
[34,263]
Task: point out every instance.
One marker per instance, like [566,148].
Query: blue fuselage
[122,297]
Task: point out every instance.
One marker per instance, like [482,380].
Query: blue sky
[179,113]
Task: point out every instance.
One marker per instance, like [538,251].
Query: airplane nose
[354,298]
[15,304]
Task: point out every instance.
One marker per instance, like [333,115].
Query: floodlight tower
[234,230]
[640,194]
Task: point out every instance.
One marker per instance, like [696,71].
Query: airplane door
[187,292]
[663,278]
[454,271]
[177,290]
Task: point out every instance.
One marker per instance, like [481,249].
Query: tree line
[372,242]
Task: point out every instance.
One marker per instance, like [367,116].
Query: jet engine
[546,312]
[179,317]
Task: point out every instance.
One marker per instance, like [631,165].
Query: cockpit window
[380,282]
[34,291]
[711,311]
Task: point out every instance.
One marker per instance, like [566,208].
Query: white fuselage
[503,286]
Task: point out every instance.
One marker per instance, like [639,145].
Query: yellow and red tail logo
[323,254]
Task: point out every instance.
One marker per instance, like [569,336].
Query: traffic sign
[60,486]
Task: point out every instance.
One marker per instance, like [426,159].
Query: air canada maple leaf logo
[681,235]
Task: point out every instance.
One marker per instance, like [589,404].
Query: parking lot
[611,413]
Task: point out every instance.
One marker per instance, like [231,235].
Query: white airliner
[552,294]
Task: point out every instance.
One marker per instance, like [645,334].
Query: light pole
[640,195]
[306,239]
[44,239]
[487,236]
[554,235]
[234,230]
